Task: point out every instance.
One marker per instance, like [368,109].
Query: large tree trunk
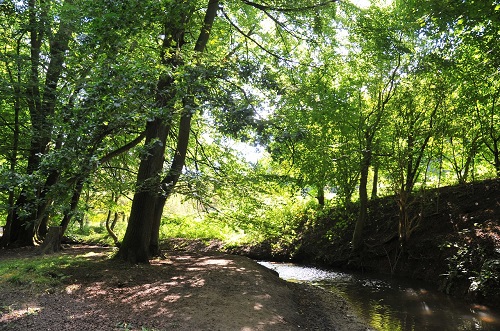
[135,245]
[24,229]
[169,182]
[141,237]
[52,242]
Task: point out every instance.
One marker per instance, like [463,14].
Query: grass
[37,271]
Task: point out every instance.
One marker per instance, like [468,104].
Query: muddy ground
[184,291]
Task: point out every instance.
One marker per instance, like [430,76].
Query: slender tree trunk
[321,195]
[375,182]
[75,198]
[357,238]
[496,156]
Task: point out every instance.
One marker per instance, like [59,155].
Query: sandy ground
[185,291]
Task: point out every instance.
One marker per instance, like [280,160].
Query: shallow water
[395,305]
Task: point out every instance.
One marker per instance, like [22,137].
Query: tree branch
[277,56]
[122,149]
[289,9]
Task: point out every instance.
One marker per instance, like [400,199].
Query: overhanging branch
[287,9]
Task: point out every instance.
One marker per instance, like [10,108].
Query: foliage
[345,101]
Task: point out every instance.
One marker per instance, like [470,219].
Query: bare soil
[184,291]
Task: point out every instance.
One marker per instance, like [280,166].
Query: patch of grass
[38,271]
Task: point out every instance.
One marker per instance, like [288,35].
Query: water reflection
[395,305]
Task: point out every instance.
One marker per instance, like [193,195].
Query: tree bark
[141,237]
[169,182]
[321,195]
[357,238]
[375,182]
[52,242]
[135,244]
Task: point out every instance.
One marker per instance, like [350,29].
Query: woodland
[136,121]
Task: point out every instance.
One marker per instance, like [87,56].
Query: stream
[389,304]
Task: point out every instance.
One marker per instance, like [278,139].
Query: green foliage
[190,227]
[468,262]
[413,84]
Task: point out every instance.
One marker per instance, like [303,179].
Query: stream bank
[455,247]
[391,304]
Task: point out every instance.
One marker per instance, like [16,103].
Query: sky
[366,3]
[361,3]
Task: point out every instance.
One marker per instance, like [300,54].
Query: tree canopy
[147,99]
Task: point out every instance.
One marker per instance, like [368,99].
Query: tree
[141,238]
[74,120]
[382,46]
[41,104]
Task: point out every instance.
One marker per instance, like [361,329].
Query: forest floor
[184,291]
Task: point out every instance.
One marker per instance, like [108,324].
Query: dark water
[395,305]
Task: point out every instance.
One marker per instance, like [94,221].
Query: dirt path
[182,292]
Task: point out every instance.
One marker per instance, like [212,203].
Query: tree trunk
[375,182]
[115,220]
[135,244]
[169,182]
[321,195]
[75,198]
[496,156]
[154,242]
[52,242]
[110,230]
[141,237]
[357,238]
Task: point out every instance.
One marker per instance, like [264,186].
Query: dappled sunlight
[72,288]
[181,292]
[258,306]
[172,298]
[178,291]
[15,312]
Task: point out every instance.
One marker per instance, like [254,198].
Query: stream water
[389,304]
